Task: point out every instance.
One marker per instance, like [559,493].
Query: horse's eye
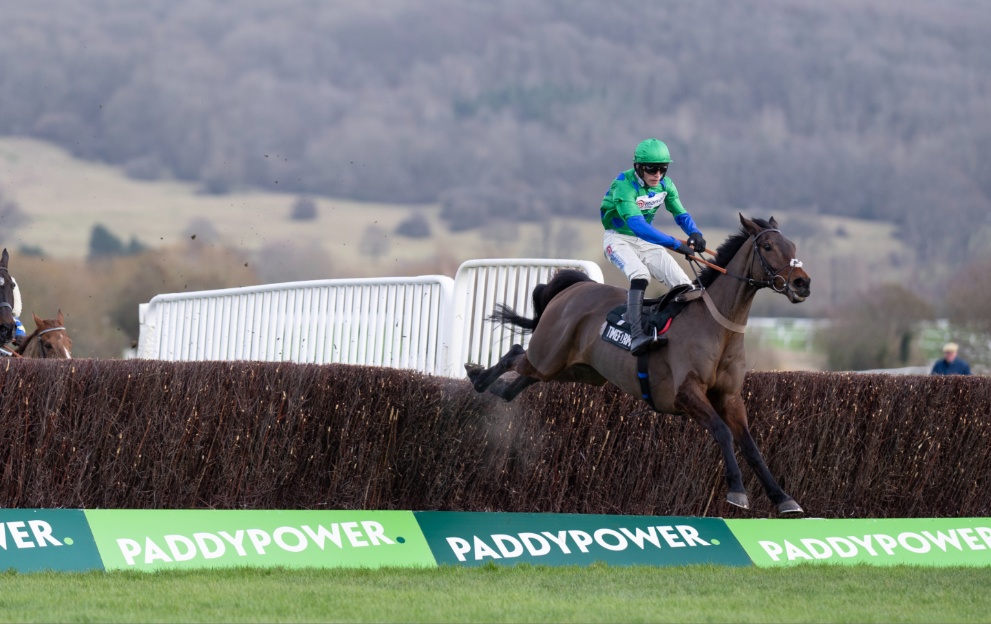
[767,246]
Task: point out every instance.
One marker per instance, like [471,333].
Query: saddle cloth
[658,313]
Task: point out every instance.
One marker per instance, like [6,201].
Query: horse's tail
[542,295]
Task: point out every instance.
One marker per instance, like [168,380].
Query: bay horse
[49,340]
[7,326]
[700,373]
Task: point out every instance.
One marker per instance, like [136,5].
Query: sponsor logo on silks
[921,541]
[614,257]
[569,539]
[46,539]
[650,202]
[153,539]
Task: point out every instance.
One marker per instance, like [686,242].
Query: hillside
[519,110]
[65,197]
[248,238]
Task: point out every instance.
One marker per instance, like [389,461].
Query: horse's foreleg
[735,414]
[691,400]
[485,379]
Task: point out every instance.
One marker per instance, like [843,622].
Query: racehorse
[49,340]
[700,373]
[7,326]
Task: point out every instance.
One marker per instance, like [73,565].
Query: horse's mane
[727,250]
[542,295]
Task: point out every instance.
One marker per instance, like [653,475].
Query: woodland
[521,109]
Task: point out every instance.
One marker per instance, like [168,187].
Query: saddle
[658,314]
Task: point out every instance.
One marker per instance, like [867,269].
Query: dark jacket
[957,367]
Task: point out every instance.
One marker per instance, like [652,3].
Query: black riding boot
[639,339]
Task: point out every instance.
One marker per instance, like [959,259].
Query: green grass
[495,594]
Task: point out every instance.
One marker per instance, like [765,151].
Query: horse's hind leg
[485,379]
[735,414]
[511,390]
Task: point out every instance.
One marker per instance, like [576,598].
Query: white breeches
[639,259]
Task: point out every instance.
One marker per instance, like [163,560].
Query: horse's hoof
[738,499]
[790,508]
[473,370]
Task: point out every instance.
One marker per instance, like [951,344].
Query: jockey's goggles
[653,168]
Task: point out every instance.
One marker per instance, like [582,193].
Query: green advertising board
[32,540]
[153,539]
[914,541]
[472,539]
[129,539]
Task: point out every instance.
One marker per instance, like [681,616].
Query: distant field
[806,593]
[66,197]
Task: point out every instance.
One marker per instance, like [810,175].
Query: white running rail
[431,323]
[481,284]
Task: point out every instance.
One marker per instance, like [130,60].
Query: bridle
[4,279]
[771,276]
[771,281]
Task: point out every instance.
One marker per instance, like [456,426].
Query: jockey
[633,244]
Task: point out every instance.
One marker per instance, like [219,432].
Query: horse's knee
[514,352]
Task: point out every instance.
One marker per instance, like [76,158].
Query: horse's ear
[749,226]
[4,258]
[59,318]
[37,320]
[774,224]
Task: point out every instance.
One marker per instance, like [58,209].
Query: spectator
[950,364]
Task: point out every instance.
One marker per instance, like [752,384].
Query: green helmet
[651,151]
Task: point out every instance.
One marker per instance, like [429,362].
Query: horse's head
[7,326]
[49,340]
[774,263]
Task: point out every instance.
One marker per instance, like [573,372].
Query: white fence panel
[394,322]
[431,323]
[482,284]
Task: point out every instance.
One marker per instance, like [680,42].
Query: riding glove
[696,241]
